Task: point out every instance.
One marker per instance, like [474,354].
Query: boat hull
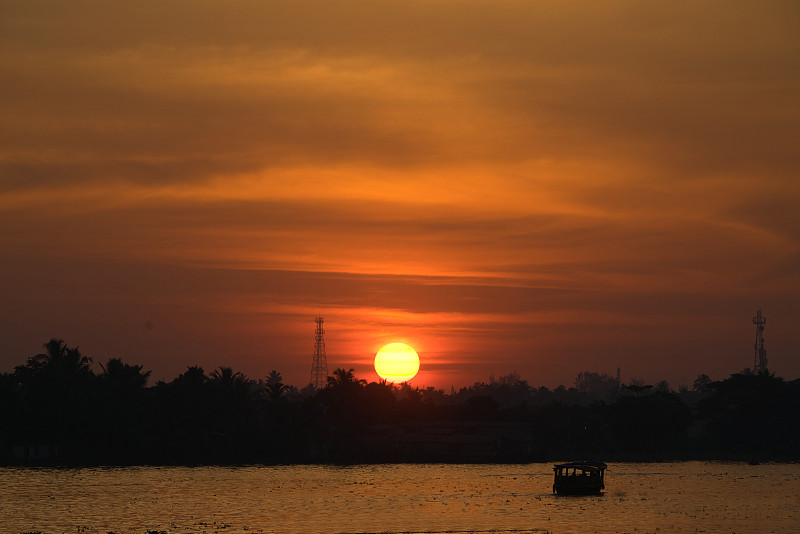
[577,487]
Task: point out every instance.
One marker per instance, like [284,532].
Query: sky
[540,187]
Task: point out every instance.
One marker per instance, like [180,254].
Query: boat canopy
[585,466]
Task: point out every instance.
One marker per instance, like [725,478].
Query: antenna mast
[319,365]
[760,356]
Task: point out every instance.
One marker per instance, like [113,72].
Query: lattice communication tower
[760,357]
[319,365]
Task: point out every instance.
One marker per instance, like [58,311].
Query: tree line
[56,409]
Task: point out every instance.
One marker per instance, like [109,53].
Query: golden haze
[531,186]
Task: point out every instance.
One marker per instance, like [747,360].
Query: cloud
[118,91]
[495,176]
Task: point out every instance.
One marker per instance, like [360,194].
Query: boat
[579,478]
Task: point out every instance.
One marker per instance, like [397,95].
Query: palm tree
[227,378]
[123,375]
[57,359]
[275,386]
[223,375]
[57,389]
[229,384]
[344,378]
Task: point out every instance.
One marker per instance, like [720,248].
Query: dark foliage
[56,409]
[755,414]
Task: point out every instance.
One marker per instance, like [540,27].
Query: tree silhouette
[651,423]
[702,383]
[232,412]
[191,380]
[638,389]
[276,389]
[345,412]
[380,401]
[57,390]
[124,405]
[181,428]
[57,360]
[750,414]
[11,411]
[601,385]
[124,376]
[56,400]
[227,378]
[345,378]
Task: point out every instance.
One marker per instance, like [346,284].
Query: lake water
[652,497]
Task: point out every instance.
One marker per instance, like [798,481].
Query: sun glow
[396,362]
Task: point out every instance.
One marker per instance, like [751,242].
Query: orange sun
[396,362]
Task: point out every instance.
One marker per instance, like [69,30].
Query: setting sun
[396,362]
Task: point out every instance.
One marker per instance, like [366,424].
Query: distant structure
[760,357]
[319,365]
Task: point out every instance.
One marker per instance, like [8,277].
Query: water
[661,497]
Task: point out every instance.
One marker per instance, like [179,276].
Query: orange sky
[546,187]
